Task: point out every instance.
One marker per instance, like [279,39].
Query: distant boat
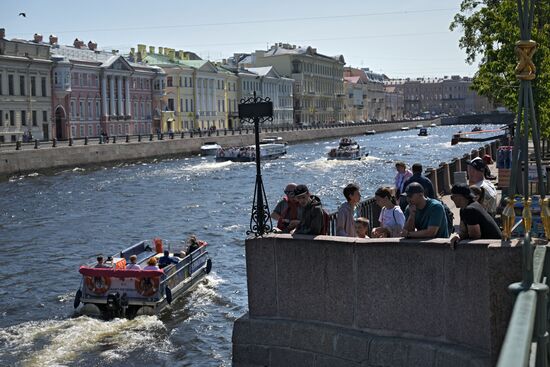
[405,128]
[433,125]
[248,153]
[210,148]
[370,132]
[347,150]
[423,132]
[419,126]
[273,140]
[477,128]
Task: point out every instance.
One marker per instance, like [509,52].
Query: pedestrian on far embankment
[425,217]
[311,221]
[345,222]
[475,222]
[391,217]
[476,174]
[403,174]
[287,211]
[424,181]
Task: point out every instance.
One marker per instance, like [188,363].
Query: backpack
[325,229]
[449,215]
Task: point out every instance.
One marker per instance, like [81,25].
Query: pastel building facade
[318,90]
[25,89]
[97,92]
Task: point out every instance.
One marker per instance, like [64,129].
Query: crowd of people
[409,209]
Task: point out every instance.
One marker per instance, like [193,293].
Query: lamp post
[258,110]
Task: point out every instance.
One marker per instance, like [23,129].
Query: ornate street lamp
[258,110]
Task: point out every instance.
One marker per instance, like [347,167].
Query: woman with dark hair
[478,192]
[391,217]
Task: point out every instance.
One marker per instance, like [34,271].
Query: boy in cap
[425,217]
[476,174]
[475,222]
[311,221]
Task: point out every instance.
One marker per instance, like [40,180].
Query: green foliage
[490,31]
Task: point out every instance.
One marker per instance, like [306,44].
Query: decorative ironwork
[258,110]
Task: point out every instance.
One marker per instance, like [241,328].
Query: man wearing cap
[424,181]
[425,217]
[286,213]
[311,221]
[475,222]
[476,175]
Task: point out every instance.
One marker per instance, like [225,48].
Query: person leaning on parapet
[425,217]
[403,174]
[424,181]
[475,222]
[476,174]
[345,224]
[391,217]
[311,220]
[286,213]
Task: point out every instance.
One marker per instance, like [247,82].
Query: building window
[186,105]
[33,86]
[1,118]
[24,118]
[81,130]
[34,118]
[73,110]
[44,91]
[45,116]
[169,81]
[90,110]
[73,131]
[10,85]
[90,130]
[171,104]
[97,111]
[81,110]
[22,85]
[12,118]
[185,81]
[119,129]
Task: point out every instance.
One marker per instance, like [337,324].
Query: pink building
[97,91]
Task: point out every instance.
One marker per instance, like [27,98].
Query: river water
[51,224]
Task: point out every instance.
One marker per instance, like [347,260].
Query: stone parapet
[397,288]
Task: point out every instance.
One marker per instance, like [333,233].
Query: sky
[400,38]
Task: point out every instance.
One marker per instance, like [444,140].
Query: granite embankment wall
[30,160]
[334,301]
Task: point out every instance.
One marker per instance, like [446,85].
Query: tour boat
[210,148]
[116,291]
[423,132]
[248,153]
[348,149]
[273,140]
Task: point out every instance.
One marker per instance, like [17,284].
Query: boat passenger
[151,264]
[286,213]
[311,220]
[478,192]
[362,227]
[193,244]
[166,260]
[421,179]
[133,263]
[475,222]
[391,217]
[100,263]
[425,217]
[345,224]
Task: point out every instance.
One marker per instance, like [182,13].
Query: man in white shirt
[476,175]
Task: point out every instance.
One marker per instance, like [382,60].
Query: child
[362,227]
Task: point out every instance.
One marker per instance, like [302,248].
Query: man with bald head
[287,211]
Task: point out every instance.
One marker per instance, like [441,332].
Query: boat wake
[63,342]
[207,166]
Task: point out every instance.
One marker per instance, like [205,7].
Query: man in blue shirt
[425,217]
[424,181]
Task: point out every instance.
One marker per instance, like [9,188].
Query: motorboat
[476,128]
[405,128]
[117,291]
[348,149]
[370,132]
[273,140]
[210,148]
[248,153]
[433,125]
[420,126]
[423,132]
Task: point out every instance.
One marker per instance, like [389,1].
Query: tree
[490,31]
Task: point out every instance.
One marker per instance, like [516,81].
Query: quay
[27,159]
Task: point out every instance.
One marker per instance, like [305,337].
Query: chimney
[161,50]
[92,45]
[2,33]
[53,40]
[166,51]
[37,38]
[172,54]
[151,50]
